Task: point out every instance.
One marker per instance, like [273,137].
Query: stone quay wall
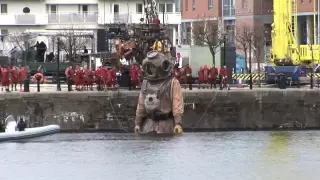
[205,110]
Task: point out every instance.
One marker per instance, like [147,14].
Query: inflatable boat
[11,132]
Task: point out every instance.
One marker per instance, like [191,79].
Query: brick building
[257,14]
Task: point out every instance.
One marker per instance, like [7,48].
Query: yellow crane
[285,49]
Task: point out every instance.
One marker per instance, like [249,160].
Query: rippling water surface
[198,156]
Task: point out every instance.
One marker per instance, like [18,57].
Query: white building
[80,14]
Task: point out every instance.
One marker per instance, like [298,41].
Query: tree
[205,31]
[258,44]
[4,48]
[243,39]
[73,41]
[21,40]
[18,44]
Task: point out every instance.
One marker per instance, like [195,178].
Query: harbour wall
[205,110]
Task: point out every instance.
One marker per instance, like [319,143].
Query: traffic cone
[240,83]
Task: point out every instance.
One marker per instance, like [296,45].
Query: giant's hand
[178,129]
[137,129]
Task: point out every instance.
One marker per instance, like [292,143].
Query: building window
[139,8]
[162,7]
[186,4]
[116,8]
[169,8]
[210,4]
[4,9]
[52,9]
[83,8]
[178,5]
[244,4]
[4,32]
[193,5]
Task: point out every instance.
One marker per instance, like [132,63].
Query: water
[199,156]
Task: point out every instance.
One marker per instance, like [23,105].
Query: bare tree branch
[205,31]
[5,48]
[258,45]
[21,40]
[73,41]
[243,39]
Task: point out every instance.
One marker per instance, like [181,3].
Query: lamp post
[58,65]
[224,48]
[250,64]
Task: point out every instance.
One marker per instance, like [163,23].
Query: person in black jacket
[2,128]
[21,125]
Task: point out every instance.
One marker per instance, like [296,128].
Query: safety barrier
[247,76]
[262,76]
[314,75]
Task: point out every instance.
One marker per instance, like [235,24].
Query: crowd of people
[12,77]
[206,75]
[84,78]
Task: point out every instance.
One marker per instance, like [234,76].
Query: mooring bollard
[38,78]
[69,81]
[26,83]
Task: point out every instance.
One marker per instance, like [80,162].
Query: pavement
[64,87]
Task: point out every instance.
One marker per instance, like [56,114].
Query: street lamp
[58,65]
[224,47]
[250,64]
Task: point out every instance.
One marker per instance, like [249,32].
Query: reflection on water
[220,156]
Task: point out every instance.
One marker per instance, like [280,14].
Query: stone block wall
[204,109]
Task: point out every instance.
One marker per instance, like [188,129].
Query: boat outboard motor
[11,124]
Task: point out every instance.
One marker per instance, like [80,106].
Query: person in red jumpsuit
[22,76]
[70,77]
[97,78]
[85,78]
[104,77]
[188,76]
[134,76]
[109,78]
[200,76]
[5,77]
[14,78]
[213,73]
[90,79]
[114,76]
[223,77]
[79,78]
[205,75]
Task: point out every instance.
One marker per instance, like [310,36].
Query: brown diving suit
[160,105]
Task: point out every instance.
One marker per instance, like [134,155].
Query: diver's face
[153,69]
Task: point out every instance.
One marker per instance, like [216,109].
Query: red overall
[205,74]
[22,75]
[213,75]
[200,75]
[14,76]
[5,77]
[104,76]
[134,75]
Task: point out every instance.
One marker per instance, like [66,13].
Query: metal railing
[67,18]
[23,19]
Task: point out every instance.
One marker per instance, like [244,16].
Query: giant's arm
[177,101]
[141,112]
